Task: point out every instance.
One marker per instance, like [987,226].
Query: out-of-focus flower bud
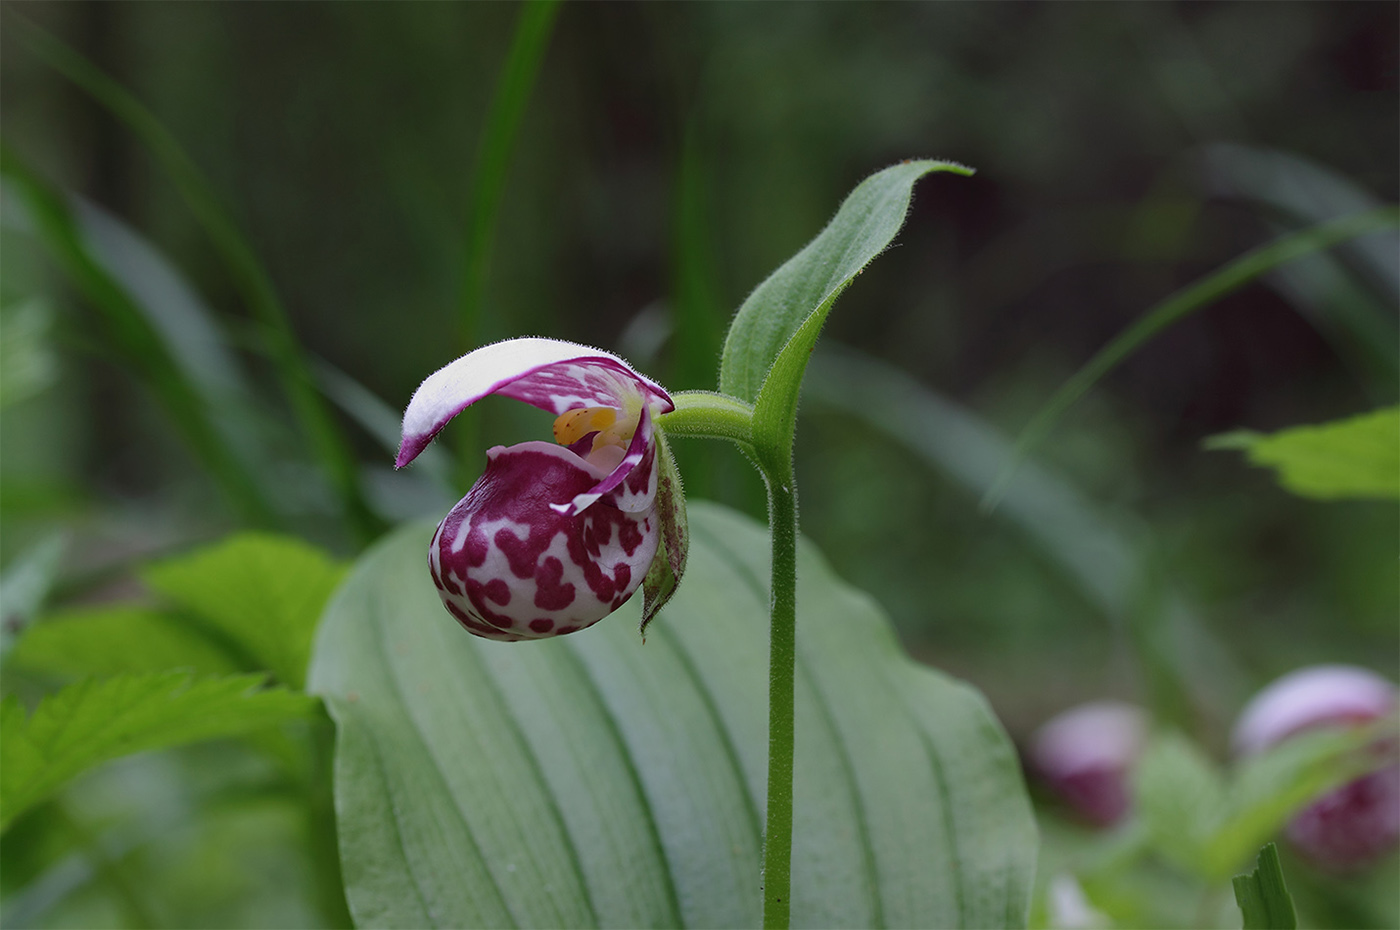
[1359,822]
[1086,753]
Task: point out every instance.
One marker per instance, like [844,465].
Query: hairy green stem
[782,667]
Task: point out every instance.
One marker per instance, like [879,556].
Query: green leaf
[113,640]
[1267,789]
[1207,821]
[591,780]
[265,592]
[1358,457]
[797,297]
[1181,797]
[95,721]
[1263,897]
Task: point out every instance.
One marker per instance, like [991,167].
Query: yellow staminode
[573,425]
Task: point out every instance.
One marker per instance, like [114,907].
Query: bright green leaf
[1358,457]
[99,641]
[1263,897]
[591,780]
[800,293]
[97,720]
[263,591]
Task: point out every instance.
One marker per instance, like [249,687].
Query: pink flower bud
[1356,824]
[1085,754]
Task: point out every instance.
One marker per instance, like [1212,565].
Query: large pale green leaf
[592,780]
[800,293]
[1358,457]
[97,720]
[265,592]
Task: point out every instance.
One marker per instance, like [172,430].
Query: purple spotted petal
[546,373]
[510,566]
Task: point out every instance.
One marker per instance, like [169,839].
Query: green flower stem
[782,666]
[711,416]
[718,416]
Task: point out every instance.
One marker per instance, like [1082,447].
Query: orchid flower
[553,536]
[1355,825]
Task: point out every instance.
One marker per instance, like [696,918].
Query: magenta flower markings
[553,536]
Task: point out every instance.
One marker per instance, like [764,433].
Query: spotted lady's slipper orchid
[554,536]
[1359,822]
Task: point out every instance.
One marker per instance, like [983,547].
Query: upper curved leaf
[805,286]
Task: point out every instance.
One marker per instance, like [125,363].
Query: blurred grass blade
[379,420]
[697,308]
[517,78]
[98,720]
[136,338]
[1194,297]
[1262,895]
[1107,557]
[249,276]
[28,365]
[1304,193]
[1358,320]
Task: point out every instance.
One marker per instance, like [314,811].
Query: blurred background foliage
[668,156]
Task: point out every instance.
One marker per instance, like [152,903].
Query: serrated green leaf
[800,293]
[100,641]
[591,780]
[266,592]
[97,720]
[1358,457]
[1263,896]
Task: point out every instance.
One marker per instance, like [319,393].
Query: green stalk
[782,670]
